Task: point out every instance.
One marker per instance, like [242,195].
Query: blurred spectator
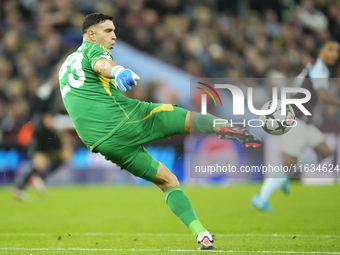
[333,12]
[311,17]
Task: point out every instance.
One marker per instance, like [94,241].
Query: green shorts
[151,122]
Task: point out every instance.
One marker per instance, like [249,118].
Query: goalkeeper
[117,127]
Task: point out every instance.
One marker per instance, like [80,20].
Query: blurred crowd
[205,38]
[220,38]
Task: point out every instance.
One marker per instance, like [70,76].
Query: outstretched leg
[206,123]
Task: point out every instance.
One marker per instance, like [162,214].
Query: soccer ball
[275,123]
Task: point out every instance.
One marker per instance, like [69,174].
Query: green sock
[181,206]
[205,123]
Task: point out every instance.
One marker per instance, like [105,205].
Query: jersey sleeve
[96,52]
[319,75]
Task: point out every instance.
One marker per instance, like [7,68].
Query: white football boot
[206,241]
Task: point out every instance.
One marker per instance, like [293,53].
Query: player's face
[330,53]
[105,34]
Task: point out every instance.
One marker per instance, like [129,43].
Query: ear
[91,35]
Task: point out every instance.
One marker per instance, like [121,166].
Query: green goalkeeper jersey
[97,108]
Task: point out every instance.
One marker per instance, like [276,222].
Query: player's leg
[292,145]
[288,161]
[39,162]
[61,152]
[314,135]
[317,142]
[125,149]
[42,165]
[47,153]
[181,206]
[323,150]
[270,185]
[139,162]
[207,123]
[281,180]
[304,135]
[165,178]
[160,121]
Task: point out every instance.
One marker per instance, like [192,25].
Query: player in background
[315,79]
[117,127]
[49,148]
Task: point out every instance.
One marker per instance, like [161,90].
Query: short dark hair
[93,19]
[324,43]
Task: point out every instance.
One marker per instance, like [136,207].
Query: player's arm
[104,67]
[325,96]
[319,79]
[125,78]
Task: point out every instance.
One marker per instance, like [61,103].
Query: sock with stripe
[181,206]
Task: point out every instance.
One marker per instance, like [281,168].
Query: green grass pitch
[136,220]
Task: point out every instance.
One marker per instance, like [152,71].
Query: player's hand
[125,78]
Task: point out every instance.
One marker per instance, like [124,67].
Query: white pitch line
[168,250]
[172,234]
[224,234]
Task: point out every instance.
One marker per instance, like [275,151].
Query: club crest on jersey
[106,55]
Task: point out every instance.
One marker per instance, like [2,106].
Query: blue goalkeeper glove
[124,78]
